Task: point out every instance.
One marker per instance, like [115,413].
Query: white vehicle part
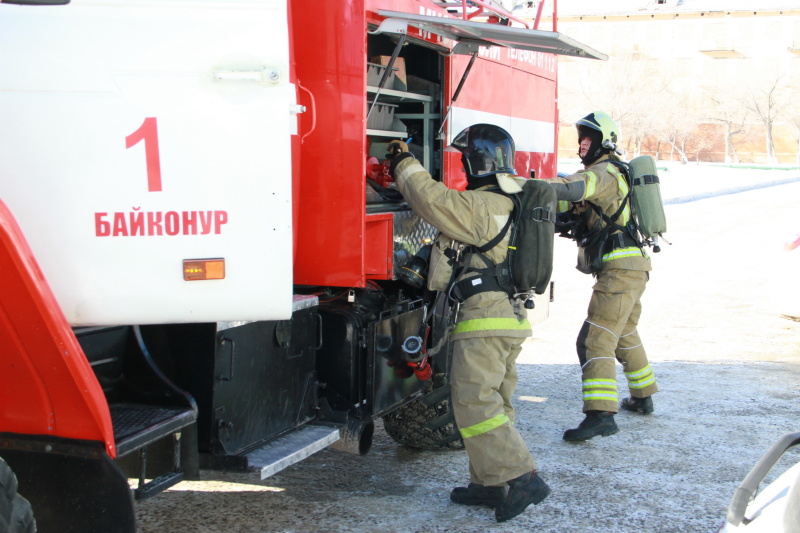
[776,508]
[139,134]
[528,135]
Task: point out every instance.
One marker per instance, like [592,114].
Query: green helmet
[603,123]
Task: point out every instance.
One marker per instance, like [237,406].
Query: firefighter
[610,252]
[490,327]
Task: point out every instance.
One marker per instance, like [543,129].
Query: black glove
[398,150]
[396,161]
[566,224]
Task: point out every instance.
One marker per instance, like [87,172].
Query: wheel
[16,514]
[426,423]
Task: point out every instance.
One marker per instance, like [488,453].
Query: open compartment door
[470,35]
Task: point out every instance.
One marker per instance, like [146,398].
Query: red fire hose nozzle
[423,370]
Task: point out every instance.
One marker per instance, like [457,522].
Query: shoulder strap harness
[628,234]
[495,277]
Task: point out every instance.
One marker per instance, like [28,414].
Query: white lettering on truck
[537,59]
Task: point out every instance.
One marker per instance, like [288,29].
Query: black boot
[643,406]
[475,494]
[596,423]
[522,491]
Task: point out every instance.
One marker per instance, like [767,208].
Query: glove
[396,147]
[396,161]
[398,151]
[567,224]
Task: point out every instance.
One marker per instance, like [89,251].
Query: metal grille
[410,234]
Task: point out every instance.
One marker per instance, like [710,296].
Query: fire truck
[203,261]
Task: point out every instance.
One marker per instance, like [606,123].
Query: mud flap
[73,486]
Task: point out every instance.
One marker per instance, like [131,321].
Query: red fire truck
[202,257]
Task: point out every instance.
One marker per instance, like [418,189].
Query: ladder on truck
[491,9]
[494,12]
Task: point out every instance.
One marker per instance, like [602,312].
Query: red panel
[506,90]
[46,384]
[329,47]
[380,252]
[329,40]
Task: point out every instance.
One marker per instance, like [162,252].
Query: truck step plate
[290,449]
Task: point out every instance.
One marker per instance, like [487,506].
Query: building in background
[691,80]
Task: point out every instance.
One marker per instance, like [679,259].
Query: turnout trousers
[483,379]
[608,335]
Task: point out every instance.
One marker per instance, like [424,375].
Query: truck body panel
[202,249]
[47,385]
[150,139]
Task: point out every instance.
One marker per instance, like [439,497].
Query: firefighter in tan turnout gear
[491,326]
[596,202]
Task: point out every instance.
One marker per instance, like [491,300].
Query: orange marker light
[197,269]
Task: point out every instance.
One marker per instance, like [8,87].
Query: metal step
[137,425]
[290,449]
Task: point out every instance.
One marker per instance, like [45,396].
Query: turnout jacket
[464,218]
[605,187]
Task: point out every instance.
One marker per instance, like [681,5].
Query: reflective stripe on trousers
[608,335]
[483,378]
[482,324]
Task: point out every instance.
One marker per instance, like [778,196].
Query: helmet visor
[485,150]
[489,155]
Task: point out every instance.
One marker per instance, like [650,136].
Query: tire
[426,423]
[16,514]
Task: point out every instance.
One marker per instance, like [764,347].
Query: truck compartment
[409,105]
[362,364]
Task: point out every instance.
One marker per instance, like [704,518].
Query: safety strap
[622,240]
[611,222]
[475,285]
[488,278]
[630,229]
[647,179]
[499,237]
[539,214]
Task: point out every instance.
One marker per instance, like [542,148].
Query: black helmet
[486,150]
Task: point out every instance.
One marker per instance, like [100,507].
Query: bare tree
[792,117]
[623,87]
[677,117]
[767,99]
[726,109]
[703,138]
